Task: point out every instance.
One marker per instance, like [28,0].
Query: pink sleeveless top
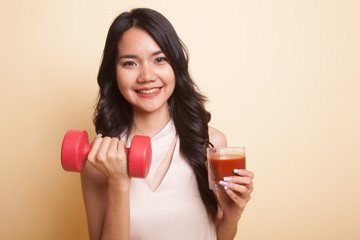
[167,204]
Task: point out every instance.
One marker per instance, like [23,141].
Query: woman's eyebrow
[157,52]
[135,56]
[127,56]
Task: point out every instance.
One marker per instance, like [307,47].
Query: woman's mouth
[148,91]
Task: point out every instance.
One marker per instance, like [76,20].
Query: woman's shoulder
[217,138]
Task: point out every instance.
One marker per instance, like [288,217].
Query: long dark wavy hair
[114,116]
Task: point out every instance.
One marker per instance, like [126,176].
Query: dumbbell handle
[75,149]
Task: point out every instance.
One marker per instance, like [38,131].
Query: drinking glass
[222,162]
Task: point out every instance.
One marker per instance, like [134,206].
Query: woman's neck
[150,124]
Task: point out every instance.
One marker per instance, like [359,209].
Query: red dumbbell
[76,147]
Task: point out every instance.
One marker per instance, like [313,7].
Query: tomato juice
[223,165]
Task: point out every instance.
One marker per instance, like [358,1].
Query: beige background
[282,77]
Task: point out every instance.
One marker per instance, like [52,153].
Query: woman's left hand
[237,193]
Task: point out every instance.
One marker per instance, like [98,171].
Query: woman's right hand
[108,156]
[107,195]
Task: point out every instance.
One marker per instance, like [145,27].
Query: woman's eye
[160,59]
[129,63]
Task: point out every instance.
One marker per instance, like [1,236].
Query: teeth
[149,91]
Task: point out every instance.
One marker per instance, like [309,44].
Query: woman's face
[144,76]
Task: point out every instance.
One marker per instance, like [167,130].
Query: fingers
[239,186]
[240,190]
[113,145]
[112,148]
[244,172]
[103,149]
[94,149]
[108,155]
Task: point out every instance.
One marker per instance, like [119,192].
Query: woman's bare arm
[232,201]
[106,190]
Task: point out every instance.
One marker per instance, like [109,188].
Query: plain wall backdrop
[282,78]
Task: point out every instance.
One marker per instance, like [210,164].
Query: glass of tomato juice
[222,162]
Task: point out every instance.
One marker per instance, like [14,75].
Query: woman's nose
[147,74]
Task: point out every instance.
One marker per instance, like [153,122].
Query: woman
[146,89]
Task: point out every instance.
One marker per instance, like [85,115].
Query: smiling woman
[146,89]
[287,72]
[144,76]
